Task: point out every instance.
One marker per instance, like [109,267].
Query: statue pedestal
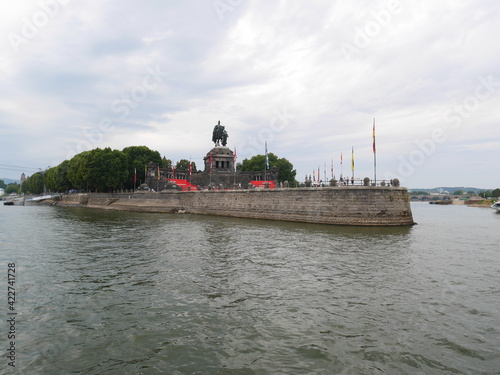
[222,160]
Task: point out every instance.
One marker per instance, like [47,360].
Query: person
[352,180]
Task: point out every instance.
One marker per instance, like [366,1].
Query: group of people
[345,181]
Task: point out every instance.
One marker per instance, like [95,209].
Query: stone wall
[356,205]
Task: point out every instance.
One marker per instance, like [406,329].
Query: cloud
[411,66]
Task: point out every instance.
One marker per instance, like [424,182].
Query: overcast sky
[308,77]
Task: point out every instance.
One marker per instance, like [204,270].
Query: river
[104,292]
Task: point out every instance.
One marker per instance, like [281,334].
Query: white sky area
[308,77]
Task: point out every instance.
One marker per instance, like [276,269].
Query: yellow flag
[352,160]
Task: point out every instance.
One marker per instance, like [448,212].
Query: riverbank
[356,205]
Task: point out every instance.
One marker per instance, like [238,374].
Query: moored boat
[496,206]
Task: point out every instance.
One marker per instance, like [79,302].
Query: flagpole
[352,162]
[211,165]
[341,166]
[374,155]
[265,166]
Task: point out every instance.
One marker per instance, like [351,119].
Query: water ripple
[107,292]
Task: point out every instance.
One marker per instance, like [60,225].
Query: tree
[183,165]
[470,192]
[12,188]
[56,178]
[166,163]
[106,169]
[420,193]
[77,170]
[34,184]
[98,170]
[286,171]
[138,157]
[458,192]
[258,163]
[495,193]
[3,185]
[485,193]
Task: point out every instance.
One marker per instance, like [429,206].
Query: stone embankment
[356,205]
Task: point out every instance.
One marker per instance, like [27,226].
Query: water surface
[103,292]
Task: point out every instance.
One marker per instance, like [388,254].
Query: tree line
[105,170]
[99,170]
[258,163]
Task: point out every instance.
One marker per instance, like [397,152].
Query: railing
[354,182]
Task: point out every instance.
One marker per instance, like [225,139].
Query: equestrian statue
[219,135]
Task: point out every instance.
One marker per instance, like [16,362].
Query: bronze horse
[219,135]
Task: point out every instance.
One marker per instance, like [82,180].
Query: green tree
[34,184]
[183,165]
[77,171]
[166,163]
[98,170]
[106,169]
[420,193]
[258,163]
[495,193]
[286,171]
[56,178]
[138,157]
[470,192]
[3,185]
[458,192]
[12,188]
[485,193]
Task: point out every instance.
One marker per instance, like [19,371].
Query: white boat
[496,206]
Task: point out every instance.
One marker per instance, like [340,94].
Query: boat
[14,202]
[496,206]
[442,201]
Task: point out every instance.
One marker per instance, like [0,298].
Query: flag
[135,175]
[331,170]
[341,166]
[267,158]
[352,160]
[173,171]
[314,175]
[190,169]
[373,136]
[211,163]
[158,171]
[234,158]
[319,174]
